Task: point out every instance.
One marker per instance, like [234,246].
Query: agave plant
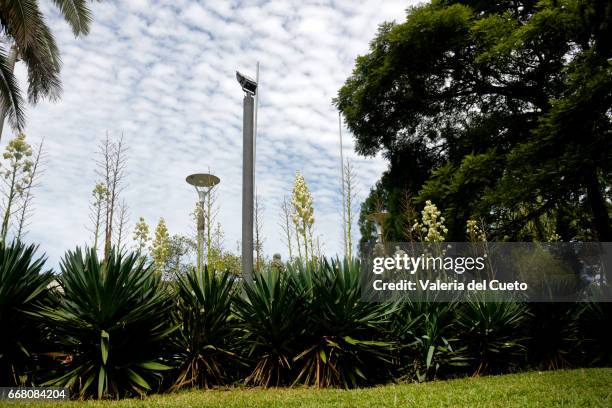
[23,288]
[111,325]
[494,333]
[206,328]
[271,313]
[345,341]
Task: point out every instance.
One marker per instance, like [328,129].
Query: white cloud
[162,73]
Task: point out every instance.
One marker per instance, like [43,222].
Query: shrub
[427,332]
[206,328]
[345,340]
[493,333]
[23,287]
[111,324]
[115,329]
[271,313]
[553,335]
[594,324]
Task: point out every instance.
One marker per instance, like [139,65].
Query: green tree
[181,250]
[29,39]
[497,111]
[231,263]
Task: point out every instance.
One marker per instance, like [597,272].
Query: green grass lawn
[565,388]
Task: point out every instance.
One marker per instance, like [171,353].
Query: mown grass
[564,388]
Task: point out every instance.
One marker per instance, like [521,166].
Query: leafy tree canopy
[493,110]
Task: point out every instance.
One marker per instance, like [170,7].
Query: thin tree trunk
[11,60]
[563,226]
[601,219]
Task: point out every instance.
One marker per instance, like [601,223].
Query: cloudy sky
[161,72]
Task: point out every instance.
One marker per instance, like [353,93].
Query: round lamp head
[202,180]
[379,219]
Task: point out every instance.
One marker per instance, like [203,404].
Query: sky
[162,74]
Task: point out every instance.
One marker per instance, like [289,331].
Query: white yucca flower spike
[474,232]
[303,212]
[432,224]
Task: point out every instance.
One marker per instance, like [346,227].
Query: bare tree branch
[111,169]
[122,221]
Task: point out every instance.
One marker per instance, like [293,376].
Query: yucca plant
[345,343]
[494,333]
[271,313]
[23,288]
[111,325]
[428,340]
[553,329]
[594,323]
[207,328]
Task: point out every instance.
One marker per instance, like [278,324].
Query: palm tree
[26,37]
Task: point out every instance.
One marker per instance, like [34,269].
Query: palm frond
[10,94]
[20,19]
[43,61]
[77,14]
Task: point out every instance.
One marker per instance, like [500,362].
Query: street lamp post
[203,183]
[249,86]
[379,219]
